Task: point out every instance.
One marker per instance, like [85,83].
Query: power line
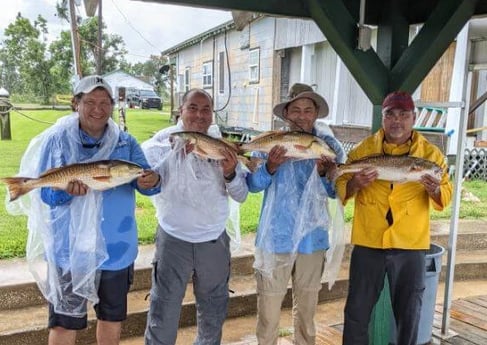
[95,45]
[130,24]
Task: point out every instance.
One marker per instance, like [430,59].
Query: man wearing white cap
[292,236]
[85,239]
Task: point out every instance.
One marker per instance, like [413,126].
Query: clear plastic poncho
[182,174]
[307,208]
[289,213]
[65,246]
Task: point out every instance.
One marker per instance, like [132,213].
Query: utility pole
[100,42]
[75,41]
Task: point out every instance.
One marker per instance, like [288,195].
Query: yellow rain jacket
[409,202]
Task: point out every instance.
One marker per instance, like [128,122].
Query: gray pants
[175,262]
[406,274]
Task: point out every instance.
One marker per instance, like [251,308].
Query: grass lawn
[142,124]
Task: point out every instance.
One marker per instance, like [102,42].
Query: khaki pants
[306,283]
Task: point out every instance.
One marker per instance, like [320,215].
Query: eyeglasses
[104,105]
[194,109]
[399,114]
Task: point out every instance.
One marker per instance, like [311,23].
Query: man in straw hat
[292,235]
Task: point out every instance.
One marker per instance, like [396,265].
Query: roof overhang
[414,11]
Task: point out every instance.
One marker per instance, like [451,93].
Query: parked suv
[149,99]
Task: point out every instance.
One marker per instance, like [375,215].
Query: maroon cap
[398,100]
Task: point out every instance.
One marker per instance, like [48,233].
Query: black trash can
[433,270]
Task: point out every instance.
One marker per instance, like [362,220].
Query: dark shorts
[112,306]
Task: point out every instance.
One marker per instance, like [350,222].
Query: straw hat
[316,98]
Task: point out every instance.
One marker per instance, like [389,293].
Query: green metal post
[376,117]
[380,320]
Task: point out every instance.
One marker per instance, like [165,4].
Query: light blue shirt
[118,224]
[282,222]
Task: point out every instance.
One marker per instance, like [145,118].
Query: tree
[25,66]
[113,47]
[29,67]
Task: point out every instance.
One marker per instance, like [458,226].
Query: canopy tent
[396,63]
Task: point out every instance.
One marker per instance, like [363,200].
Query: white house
[118,79]
[250,68]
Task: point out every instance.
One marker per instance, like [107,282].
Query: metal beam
[340,29]
[438,32]
[417,11]
[277,7]
[392,33]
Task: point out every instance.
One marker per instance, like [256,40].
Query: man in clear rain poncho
[82,243]
[192,237]
[293,232]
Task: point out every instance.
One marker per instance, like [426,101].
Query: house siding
[294,50]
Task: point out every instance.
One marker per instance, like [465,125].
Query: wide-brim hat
[89,83]
[316,98]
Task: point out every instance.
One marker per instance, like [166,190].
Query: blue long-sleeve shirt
[289,183]
[118,224]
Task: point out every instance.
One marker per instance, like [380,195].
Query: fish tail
[333,174]
[241,148]
[17,186]
[251,164]
[236,146]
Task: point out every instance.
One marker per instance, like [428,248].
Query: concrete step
[28,325]
[23,313]
[241,330]
[18,289]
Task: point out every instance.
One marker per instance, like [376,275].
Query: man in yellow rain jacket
[391,225]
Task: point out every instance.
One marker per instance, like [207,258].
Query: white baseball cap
[89,83]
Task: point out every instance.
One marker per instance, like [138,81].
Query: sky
[147,28]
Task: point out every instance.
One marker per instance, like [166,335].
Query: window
[221,72]
[187,81]
[207,74]
[254,65]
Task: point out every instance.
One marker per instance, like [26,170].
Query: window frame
[254,66]
[187,79]
[221,72]
[205,75]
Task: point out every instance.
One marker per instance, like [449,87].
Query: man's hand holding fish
[228,163]
[277,156]
[432,186]
[148,179]
[326,166]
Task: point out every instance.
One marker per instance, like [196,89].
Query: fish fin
[251,164]
[200,151]
[17,186]
[333,174]
[306,147]
[266,134]
[50,171]
[415,168]
[300,147]
[102,178]
[101,164]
